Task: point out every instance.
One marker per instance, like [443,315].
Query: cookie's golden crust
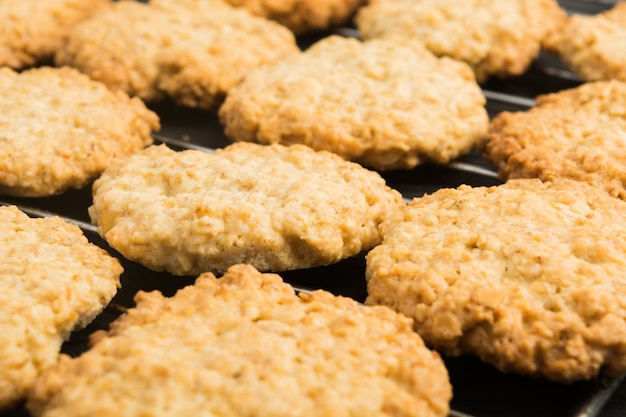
[497,38]
[274,207]
[528,275]
[192,51]
[593,46]
[245,344]
[578,133]
[302,16]
[118,47]
[53,281]
[33,30]
[385,103]
[61,129]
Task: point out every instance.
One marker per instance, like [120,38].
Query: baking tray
[479,389]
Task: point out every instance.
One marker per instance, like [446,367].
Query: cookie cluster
[527,275]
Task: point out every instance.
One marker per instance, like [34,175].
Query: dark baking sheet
[479,389]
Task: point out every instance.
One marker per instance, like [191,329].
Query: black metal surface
[479,389]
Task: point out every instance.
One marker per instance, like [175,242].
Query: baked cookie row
[575,133]
[496,39]
[36,30]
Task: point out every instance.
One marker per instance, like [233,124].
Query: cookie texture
[528,276]
[579,133]
[244,345]
[191,51]
[275,207]
[302,16]
[61,129]
[385,103]
[33,30]
[53,281]
[497,38]
[593,46]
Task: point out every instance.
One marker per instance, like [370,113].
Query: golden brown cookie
[59,129]
[579,133]
[191,51]
[245,344]
[385,103]
[528,276]
[302,16]
[275,207]
[53,281]
[33,30]
[497,38]
[593,46]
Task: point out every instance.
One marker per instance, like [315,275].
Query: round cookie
[593,46]
[496,38]
[60,130]
[528,276]
[385,103]
[275,207]
[245,344]
[33,30]
[190,51]
[579,133]
[302,16]
[53,281]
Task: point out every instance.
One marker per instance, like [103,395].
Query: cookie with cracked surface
[53,281]
[33,30]
[497,38]
[190,51]
[528,276]
[275,207]
[246,344]
[385,103]
[302,16]
[60,130]
[579,133]
[593,46]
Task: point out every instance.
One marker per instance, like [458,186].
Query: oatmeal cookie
[53,281]
[245,344]
[33,30]
[593,46]
[497,38]
[529,276]
[579,133]
[275,207]
[385,103]
[59,129]
[189,51]
[302,16]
